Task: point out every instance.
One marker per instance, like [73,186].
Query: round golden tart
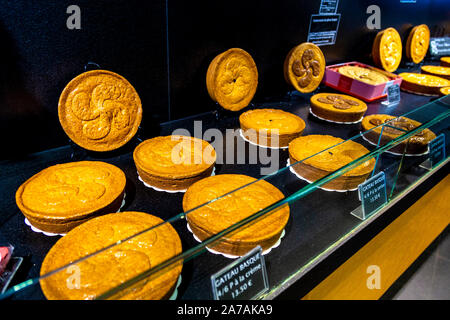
[232,79]
[443,72]
[423,84]
[387,49]
[218,215]
[109,268]
[417,144]
[445,61]
[62,196]
[100,110]
[174,162]
[316,162]
[366,75]
[337,107]
[304,67]
[444,91]
[271,127]
[417,43]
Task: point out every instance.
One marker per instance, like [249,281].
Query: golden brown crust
[304,67]
[445,61]
[100,110]
[108,269]
[318,162]
[439,71]
[417,144]
[337,107]
[444,91]
[366,75]
[423,84]
[387,49]
[218,215]
[232,79]
[417,43]
[271,127]
[63,196]
[174,162]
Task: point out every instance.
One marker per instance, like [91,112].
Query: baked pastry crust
[61,197]
[271,127]
[337,107]
[108,269]
[387,49]
[316,162]
[232,79]
[304,67]
[444,91]
[174,162]
[439,71]
[417,43]
[220,214]
[366,75]
[417,144]
[445,61]
[423,84]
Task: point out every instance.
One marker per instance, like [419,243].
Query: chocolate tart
[100,110]
[423,84]
[417,43]
[445,61]
[337,107]
[439,71]
[271,127]
[174,162]
[417,144]
[232,79]
[366,75]
[121,262]
[61,197]
[304,67]
[316,162]
[210,219]
[387,49]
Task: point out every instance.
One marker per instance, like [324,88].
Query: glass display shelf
[320,219]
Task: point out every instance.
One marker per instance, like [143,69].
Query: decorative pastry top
[387,49]
[445,61]
[232,79]
[174,156]
[304,67]
[100,110]
[70,190]
[232,208]
[272,119]
[402,123]
[338,102]
[425,79]
[418,43]
[363,74]
[330,153]
[437,70]
[445,90]
[108,269]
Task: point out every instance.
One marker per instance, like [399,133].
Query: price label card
[328,6]
[440,46]
[372,193]
[244,279]
[323,29]
[437,150]
[393,94]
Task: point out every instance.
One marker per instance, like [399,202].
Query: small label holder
[328,6]
[243,279]
[323,29]
[393,94]
[372,194]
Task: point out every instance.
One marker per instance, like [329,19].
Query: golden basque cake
[443,72]
[417,43]
[366,75]
[271,127]
[423,84]
[174,162]
[387,49]
[304,67]
[417,144]
[218,215]
[100,110]
[316,162]
[232,79]
[445,61]
[61,197]
[107,269]
[337,107]
[444,91]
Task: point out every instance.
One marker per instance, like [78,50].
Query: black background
[163,48]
